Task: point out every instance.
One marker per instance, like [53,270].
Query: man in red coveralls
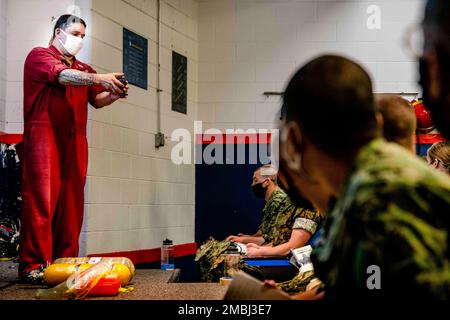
[57,90]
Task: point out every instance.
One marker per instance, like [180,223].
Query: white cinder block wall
[135,195]
[3,12]
[28,24]
[248,47]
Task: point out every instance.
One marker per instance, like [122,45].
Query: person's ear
[60,35]
[293,145]
[436,163]
[433,163]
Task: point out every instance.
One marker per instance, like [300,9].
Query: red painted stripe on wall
[253,138]
[14,138]
[10,138]
[151,255]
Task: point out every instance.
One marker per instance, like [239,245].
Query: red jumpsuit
[54,159]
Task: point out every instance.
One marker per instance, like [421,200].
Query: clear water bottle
[231,265]
[167,257]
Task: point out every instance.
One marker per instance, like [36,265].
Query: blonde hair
[440,151]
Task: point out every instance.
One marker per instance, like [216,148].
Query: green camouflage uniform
[393,213]
[279,218]
[309,221]
[289,218]
[298,283]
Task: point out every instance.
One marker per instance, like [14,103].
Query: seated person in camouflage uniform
[267,241]
[298,190]
[280,220]
[263,186]
[398,125]
[387,233]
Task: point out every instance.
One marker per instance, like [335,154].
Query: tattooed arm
[78,78]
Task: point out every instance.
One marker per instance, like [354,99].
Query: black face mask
[259,191]
[436,106]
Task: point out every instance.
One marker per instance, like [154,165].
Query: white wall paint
[28,25]
[251,46]
[135,195]
[3,12]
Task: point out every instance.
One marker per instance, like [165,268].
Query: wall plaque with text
[179,83]
[135,59]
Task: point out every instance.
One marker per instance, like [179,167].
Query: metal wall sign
[135,59]
[179,83]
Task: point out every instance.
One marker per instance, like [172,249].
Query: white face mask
[73,44]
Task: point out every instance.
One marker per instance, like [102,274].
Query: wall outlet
[160,140]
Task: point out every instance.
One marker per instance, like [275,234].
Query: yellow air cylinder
[62,268]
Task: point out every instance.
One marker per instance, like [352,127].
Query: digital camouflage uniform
[280,216]
[301,280]
[291,217]
[393,213]
[298,283]
[270,211]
